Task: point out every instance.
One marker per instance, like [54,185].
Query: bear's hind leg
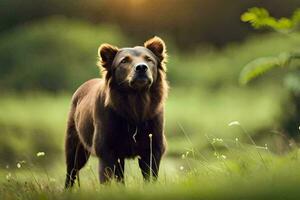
[111,169]
[150,168]
[76,156]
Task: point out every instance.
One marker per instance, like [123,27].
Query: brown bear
[121,115]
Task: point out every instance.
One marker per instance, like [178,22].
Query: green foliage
[53,54]
[262,65]
[260,18]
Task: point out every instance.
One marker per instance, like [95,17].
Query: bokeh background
[48,48]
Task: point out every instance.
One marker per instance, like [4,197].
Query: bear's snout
[141,68]
[142,77]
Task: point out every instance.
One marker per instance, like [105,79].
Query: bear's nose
[141,68]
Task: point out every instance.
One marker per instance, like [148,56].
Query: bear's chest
[132,140]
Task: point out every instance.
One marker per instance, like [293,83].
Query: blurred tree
[260,18]
[54,54]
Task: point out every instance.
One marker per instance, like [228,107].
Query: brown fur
[113,117]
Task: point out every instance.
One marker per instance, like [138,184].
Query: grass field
[243,172]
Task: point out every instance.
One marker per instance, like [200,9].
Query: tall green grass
[241,172]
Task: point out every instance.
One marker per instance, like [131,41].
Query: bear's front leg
[111,168]
[153,148]
[150,167]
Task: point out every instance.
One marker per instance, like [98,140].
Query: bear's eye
[125,60]
[148,59]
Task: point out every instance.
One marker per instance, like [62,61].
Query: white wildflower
[266,146]
[183,156]
[219,140]
[52,180]
[40,154]
[234,123]
[8,176]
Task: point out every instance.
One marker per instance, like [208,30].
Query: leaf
[255,16]
[247,17]
[284,23]
[260,18]
[262,65]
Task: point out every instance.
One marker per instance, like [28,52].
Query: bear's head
[136,68]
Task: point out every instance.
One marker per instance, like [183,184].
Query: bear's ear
[158,47]
[107,53]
